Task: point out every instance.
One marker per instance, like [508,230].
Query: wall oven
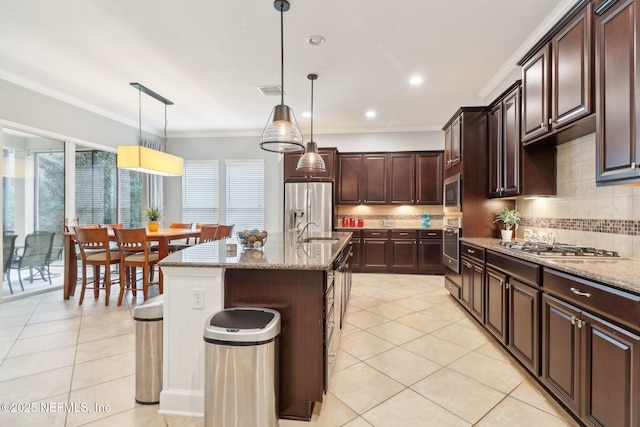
[452,193]
[451,242]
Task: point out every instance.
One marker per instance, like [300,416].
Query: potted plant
[510,219]
[153,215]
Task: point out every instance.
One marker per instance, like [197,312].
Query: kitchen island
[296,278]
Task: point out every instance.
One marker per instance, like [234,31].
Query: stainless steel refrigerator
[308,201]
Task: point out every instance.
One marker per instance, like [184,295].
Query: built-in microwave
[452,193]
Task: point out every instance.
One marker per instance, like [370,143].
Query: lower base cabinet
[590,364]
[524,323]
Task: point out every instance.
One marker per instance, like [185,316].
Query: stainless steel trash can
[148,329]
[241,368]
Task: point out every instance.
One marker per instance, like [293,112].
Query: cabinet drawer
[430,234]
[526,271]
[407,234]
[473,252]
[612,303]
[453,289]
[375,234]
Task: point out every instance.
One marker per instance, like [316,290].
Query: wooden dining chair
[177,245]
[135,252]
[208,233]
[95,252]
[224,231]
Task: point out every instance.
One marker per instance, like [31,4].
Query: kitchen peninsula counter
[621,273]
[295,278]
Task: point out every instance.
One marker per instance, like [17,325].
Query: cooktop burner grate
[558,250]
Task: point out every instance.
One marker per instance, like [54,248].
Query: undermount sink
[330,240]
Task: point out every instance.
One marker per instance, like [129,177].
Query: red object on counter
[345,221]
[352,222]
[360,222]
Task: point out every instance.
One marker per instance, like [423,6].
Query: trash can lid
[151,309]
[243,325]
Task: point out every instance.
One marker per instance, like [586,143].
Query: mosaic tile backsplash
[581,213]
[404,216]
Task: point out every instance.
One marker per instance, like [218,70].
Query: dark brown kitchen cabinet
[430,251]
[374,179]
[616,40]
[524,323]
[293,175]
[402,179]
[516,170]
[557,77]
[590,364]
[374,249]
[403,250]
[472,262]
[349,179]
[452,142]
[429,178]
[356,248]
[496,304]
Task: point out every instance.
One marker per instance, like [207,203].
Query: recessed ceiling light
[371,114]
[415,80]
[306,114]
[316,40]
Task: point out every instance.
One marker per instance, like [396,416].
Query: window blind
[245,194]
[200,192]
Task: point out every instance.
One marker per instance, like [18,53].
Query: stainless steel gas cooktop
[559,250]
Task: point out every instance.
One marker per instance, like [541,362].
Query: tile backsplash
[581,213]
[404,216]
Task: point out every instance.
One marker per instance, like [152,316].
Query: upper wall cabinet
[618,146]
[292,175]
[557,78]
[452,140]
[515,170]
[461,133]
[390,178]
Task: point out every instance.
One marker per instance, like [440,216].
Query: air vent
[270,90]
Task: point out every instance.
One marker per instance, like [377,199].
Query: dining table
[163,236]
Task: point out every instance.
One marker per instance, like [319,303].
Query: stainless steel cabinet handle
[431,234]
[578,292]
[550,120]
[506,285]
[541,125]
[404,234]
[573,320]
[633,165]
[581,323]
[471,251]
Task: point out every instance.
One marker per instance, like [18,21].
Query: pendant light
[147,160]
[282,134]
[311,160]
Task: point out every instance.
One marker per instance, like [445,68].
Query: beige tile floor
[409,356]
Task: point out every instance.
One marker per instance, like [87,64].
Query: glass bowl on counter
[252,239]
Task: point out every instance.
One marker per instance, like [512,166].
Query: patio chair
[8,246]
[34,256]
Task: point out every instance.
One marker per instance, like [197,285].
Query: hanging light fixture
[282,134]
[311,160]
[147,160]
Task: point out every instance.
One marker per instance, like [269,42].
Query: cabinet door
[350,172]
[356,247]
[374,178]
[452,142]
[495,150]
[560,350]
[374,253]
[430,256]
[476,305]
[524,315]
[618,151]
[496,306]
[511,144]
[429,179]
[466,276]
[571,74]
[404,253]
[611,366]
[293,175]
[401,179]
[535,95]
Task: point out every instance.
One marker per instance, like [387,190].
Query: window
[245,194]
[200,193]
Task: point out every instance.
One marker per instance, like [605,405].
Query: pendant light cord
[165,126]
[282,53]
[312,110]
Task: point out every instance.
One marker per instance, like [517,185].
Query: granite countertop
[621,273]
[281,252]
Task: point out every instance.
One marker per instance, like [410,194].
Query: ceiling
[208,57]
